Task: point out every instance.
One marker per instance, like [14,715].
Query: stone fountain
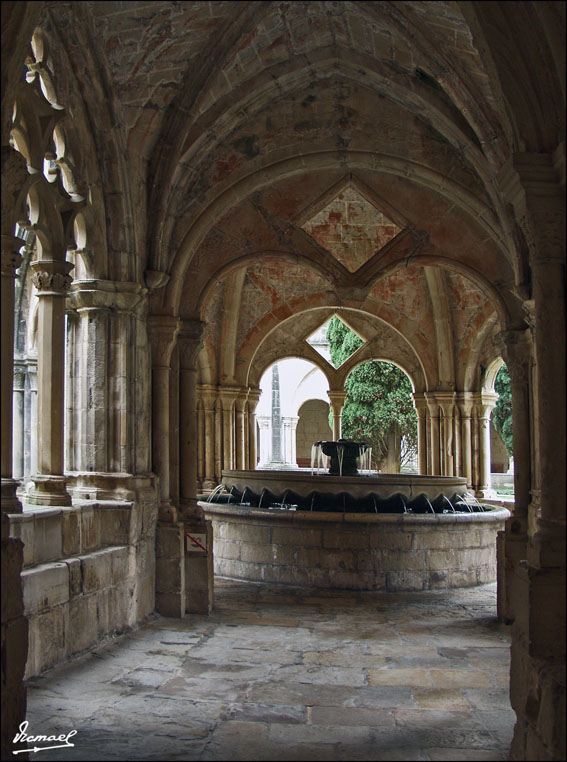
[345,529]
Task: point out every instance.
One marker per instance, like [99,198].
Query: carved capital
[517,350]
[105,294]
[190,342]
[465,402]
[51,277]
[163,331]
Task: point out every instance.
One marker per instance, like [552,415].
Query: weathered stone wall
[356,551]
[89,572]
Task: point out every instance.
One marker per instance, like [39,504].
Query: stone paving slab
[278,674]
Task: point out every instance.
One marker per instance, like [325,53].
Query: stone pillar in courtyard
[535,186]
[465,403]
[14,623]
[241,430]
[227,396]
[517,350]
[11,260]
[484,403]
[337,400]
[170,540]
[446,402]
[52,281]
[208,399]
[253,399]
[420,406]
[434,463]
[198,533]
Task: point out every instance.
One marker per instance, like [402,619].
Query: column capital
[228,395]
[105,294]
[337,397]
[253,399]
[419,403]
[446,401]
[51,276]
[242,399]
[162,333]
[190,342]
[532,182]
[465,403]
[485,402]
[517,349]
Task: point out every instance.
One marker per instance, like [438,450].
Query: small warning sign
[196,543]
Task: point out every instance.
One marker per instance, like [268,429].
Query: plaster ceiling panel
[469,307]
[407,291]
[351,228]
[268,286]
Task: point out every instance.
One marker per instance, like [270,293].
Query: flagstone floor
[278,673]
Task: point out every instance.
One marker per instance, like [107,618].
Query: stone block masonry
[355,551]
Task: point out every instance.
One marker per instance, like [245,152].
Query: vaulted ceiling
[256,162]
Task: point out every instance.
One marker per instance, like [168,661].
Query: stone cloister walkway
[287,674]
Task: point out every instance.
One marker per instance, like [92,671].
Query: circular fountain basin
[303,482]
[354,551]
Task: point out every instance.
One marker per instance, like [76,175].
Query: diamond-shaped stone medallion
[351,228]
[321,344]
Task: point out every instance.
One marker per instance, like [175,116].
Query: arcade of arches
[189,191]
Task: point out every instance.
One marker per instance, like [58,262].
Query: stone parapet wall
[89,572]
[355,551]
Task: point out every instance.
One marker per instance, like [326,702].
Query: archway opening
[378,406]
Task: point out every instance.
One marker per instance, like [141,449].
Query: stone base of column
[49,490]
[486,492]
[170,570]
[9,500]
[199,568]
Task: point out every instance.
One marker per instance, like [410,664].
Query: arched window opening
[378,406]
[502,445]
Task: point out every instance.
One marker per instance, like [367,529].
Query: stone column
[51,279]
[253,399]
[446,401]
[241,454]
[420,406]
[434,444]
[198,565]
[289,426]
[163,331]
[31,422]
[200,440]
[293,434]
[11,260]
[209,398]
[465,403]
[228,399]
[18,421]
[485,403]
[170,537]
[265,440]
[337,400]
[517,349]
[218,440]
[190,344]
[534,184]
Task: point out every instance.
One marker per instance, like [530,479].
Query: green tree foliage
[502,413]
[378,402]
